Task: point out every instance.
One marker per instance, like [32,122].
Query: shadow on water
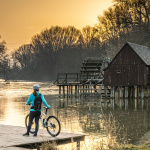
[78,115]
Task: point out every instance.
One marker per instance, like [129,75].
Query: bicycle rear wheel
[32,130]
[53,126]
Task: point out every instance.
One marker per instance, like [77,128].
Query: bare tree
[4,68]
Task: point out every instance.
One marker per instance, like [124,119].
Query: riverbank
[133,147]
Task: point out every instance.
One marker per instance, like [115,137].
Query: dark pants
[36,115]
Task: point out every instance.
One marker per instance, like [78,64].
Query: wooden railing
[67,78]
[63,78]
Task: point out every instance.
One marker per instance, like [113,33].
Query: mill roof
[142,51]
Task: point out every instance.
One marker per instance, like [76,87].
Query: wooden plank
[11,136]
[14,148]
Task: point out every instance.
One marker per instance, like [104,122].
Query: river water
[132,117]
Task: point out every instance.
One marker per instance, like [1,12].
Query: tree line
[4,61]
[62,49]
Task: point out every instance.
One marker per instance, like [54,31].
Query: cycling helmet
[36,87]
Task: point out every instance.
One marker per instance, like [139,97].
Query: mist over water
[75,114]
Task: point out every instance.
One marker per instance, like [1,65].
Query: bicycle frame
[42,121]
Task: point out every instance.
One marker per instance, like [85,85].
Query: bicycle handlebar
[43,106]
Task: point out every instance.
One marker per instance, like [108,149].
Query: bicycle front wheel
[53,126]
[32,130]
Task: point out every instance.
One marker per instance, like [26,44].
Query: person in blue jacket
[34,113]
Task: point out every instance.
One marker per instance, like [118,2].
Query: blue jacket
[32,98]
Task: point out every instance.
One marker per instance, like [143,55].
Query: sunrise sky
[20,20]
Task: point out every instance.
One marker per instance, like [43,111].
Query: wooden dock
[11,137]
[88,82]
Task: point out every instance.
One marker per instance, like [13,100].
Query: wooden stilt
[89,89]
[78,145]
[142,93]
[63,91]
[126,92]
[86,88]
[83,88]
[75,90]
[105,92]
[135,91]
[78,91]
[60,91]
[112,92]
[69,91]
[100,88]
[138,91]
[132,92]
[120,92]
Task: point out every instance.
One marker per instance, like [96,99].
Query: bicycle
[51,123]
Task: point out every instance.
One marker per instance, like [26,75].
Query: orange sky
[21,19]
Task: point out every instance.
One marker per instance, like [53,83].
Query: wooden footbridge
[11,137]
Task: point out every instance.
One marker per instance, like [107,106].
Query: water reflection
[131,114]
[84,115]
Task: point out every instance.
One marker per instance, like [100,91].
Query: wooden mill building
[129,68]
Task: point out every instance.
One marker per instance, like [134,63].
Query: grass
[115,139]
[48,146]
[133,147]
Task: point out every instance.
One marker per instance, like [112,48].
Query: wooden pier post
[112,92]
[100,89]
[78,91]
[75,90]
[69,92]
[63,91]
[138,91]
[105,91]
[59,90]
[142,94]
[78,145]
[83,89]
[89,89]
[120,92]
[135,91]
[126,92]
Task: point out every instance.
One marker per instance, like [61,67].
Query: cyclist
[35,113]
